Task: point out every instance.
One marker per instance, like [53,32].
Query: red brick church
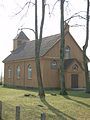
[19,66]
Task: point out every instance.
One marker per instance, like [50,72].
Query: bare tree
[38,41]
[75,15]
[84,50]
[62,44]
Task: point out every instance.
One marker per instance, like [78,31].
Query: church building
[19,66]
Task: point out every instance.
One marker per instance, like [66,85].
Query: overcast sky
[9,23]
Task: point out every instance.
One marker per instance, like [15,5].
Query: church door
[74,81]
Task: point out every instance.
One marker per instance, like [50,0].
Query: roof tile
[27,50]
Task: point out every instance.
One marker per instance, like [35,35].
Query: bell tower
[19,40]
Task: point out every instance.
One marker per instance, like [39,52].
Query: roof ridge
[21,35]
[22,52]
[51,35]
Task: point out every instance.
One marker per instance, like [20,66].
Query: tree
[84,51]
[62,44]
[38,41]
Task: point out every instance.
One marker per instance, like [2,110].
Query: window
[19,43]
[53,64]
[75,67]
[29,72]
[67,52]
[18,72]
[9,72]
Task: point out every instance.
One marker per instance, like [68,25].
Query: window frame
[18,72]
[75,67]
[9,72]
[53,64]
[67,52]
[29,72]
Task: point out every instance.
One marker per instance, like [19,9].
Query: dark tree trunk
[62,43]
[84,51]
[37,48]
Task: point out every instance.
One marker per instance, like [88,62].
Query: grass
[75,106]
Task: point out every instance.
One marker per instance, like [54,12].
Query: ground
[75,106]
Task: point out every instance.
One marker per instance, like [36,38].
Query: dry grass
[75,106]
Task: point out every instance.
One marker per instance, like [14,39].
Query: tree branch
[77,25]
[26,28]
[76,15]
[48,7]
[54,6]
[27,3]
[87,27]
[36,22]
[42,22]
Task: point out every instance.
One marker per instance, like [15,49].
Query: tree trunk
[62,43]
[37,52]
[39,77]
[84,51]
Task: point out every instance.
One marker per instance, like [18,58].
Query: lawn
[75,106]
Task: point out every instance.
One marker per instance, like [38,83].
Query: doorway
[74,81]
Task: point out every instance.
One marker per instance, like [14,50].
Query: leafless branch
[54,6]
[42,21]
[67,7]
[27,3]
[76,15]
[87,27]
[77,25]
[20,29]
[67,3]
[36,25]
[48,7]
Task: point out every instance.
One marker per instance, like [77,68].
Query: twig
[54,6]
[48,7]
[26,28]
[76,15]
[27,3]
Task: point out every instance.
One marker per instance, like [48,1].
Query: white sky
[9,23]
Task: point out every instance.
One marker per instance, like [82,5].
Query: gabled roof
[27,49]
[21,36]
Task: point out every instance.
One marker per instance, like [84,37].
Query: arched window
[75,67]
[53,64]
[29,72]
[9,72]
[18,72]
[67,52]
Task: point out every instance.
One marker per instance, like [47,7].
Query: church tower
[19,40]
